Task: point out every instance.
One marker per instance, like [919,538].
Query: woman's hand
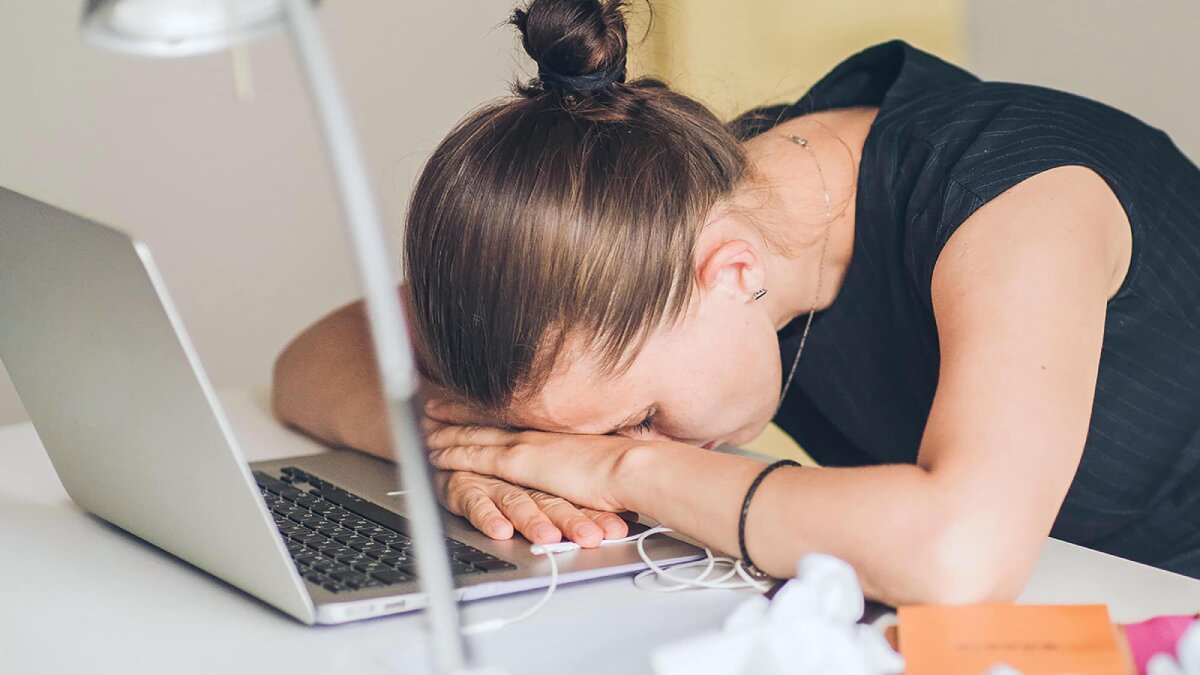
[496,508]
[580,468]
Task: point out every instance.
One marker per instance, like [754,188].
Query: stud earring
[759,293]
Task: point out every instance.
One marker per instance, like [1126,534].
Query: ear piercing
[759,293]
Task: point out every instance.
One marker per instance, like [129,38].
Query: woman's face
[712,378]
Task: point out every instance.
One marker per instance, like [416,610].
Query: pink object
[1154,636]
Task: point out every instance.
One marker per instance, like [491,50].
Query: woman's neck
[794,214]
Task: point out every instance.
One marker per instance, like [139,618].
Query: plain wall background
[1141,57]
[235,200]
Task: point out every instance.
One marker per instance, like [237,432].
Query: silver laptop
[116,392]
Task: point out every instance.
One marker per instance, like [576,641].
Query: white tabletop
[82,596]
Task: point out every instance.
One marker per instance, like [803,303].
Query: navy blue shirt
[943,144]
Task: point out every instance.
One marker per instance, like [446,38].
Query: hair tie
[586,82]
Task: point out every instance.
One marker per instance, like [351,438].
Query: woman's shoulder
[979,133]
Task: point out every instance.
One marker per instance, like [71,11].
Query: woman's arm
[1019,296]
[326,384]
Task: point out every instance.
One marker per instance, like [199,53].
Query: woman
[986,298]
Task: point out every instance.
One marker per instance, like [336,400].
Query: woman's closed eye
[642,427]
[646,424]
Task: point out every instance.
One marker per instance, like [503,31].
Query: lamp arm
[393,348]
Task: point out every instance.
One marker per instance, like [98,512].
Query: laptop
[114,388]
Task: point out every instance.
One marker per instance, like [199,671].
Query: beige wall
[1139,56]
[738,55]
[235,200]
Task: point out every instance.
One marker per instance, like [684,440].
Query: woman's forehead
[583,396]
[579,397]
[566,404]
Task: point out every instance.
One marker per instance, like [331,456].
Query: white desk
[81,596]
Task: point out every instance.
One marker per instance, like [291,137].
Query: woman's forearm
[892,522]
[325,383]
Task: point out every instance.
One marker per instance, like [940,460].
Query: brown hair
[561,213]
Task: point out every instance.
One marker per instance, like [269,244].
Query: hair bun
[579,45]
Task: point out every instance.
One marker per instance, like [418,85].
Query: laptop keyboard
[342,542]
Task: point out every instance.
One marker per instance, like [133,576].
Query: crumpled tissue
[1187,652]
[809,628]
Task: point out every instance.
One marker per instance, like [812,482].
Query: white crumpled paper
[1187,650]
[809,628]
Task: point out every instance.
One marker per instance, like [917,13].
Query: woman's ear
[732,266]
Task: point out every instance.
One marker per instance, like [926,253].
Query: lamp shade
[161,28]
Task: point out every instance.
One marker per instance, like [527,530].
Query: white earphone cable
[710,563]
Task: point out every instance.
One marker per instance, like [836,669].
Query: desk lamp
[170,28]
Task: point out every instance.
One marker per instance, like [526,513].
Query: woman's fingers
[496,508]
[466,494]
[454,436]
[613,525]
[523,512]
[430,425]
[570,519]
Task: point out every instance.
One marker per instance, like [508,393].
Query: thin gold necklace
[799,140]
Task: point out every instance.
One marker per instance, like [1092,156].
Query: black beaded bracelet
[746,509]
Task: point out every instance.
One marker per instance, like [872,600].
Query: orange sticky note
[1034,639]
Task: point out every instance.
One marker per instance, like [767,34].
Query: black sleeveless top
[943,144]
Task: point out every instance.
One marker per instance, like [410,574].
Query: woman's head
[554,246]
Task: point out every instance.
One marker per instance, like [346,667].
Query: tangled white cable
[710,563]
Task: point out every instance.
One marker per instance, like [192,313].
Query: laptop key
[329,548]
[303,515]
[356,542]
[267,481]
[370,566]
[390,577]
[375,550]
[305,536]
[473,556]
[393,558]
[339,514]
[494,565]
[322,507]
[347,576]
[287,492]
[326,566]
[353,558]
